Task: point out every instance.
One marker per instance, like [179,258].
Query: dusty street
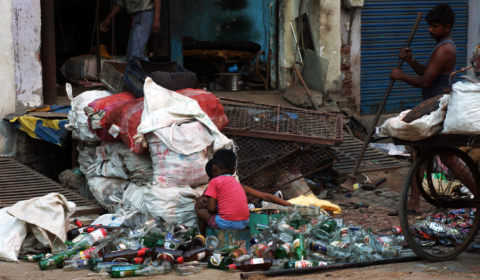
[466,266]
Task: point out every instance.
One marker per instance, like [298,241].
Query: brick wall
[44,157]
[347,82]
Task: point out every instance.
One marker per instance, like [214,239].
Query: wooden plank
[88,210]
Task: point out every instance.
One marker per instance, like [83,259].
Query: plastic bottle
[253,264]
[211,242]
[56,259]
[75,265]
[283,251]
[144,271]
[299,248]
[125,255]
[219,262]
[166,254]
[304,263]
[193,255]
[108,265]
[151,242]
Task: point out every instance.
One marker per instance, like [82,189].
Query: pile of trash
[145,156]
[301,237]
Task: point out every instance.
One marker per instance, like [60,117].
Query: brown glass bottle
[253,264]
[197,241]
[125,255]
[165,254]
[193,255]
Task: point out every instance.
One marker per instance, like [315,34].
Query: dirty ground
[466,266]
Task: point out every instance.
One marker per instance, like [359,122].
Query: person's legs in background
[139,34]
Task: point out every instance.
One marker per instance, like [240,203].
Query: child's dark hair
[441,14]
[225,159]
[208,169]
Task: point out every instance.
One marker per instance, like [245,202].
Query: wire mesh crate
[280,123]
[267,165]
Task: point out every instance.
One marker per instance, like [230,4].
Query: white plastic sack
[163,108]
[134,201]
[48,217]
[114,220]
[77,120]
[139,166]
[87,154]
[463,116]
[175,204]
[108,192]
[419,129]
[109,162]
[186,139]
[173,169]
[12,234]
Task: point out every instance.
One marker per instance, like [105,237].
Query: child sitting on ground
[224,204]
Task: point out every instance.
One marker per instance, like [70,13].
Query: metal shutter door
[386,25]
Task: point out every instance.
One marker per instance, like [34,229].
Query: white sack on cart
[77,120]
[463,116]
[419,129]
[164,108]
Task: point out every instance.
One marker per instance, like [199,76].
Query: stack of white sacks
[165,181]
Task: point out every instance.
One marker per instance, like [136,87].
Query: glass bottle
[92,262]
[299,248]
[253,264]
[283,251]
[151,242]
[219,262]
[108,265]
[145,271]
[228,249]
[211,242]
[188,270]
[247,256]
[75,265]
[35,258]
[166,254]
[125,255]
[56,259]
[193,255]
[304,263]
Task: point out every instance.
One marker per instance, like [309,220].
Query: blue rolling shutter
[386,25]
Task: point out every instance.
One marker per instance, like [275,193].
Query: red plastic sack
[127,117]
[101,103]
[209,103]
[107,104]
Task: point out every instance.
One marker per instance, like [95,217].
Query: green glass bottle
[329,225]
[69,243]
[125,271]
[35,258]
[219,262]
[228,249]
[58,259]
[304,263]
[283,251]
[299,248]
[297,223]
[151,242]
[93,262]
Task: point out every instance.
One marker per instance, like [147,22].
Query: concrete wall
[7,70]
[325,19]
[26,27]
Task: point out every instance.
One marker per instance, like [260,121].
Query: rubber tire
[403,207]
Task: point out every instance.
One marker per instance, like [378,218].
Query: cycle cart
[442,187]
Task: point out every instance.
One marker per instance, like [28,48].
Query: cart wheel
[443,226]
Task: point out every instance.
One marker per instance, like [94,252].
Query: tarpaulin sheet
[311,199]
[49,130]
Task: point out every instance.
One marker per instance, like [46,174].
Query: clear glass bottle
[211,242]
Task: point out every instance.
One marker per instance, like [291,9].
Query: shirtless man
[433,77]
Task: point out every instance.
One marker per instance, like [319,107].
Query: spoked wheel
[442,187]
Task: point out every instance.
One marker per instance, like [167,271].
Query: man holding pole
[433,78]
